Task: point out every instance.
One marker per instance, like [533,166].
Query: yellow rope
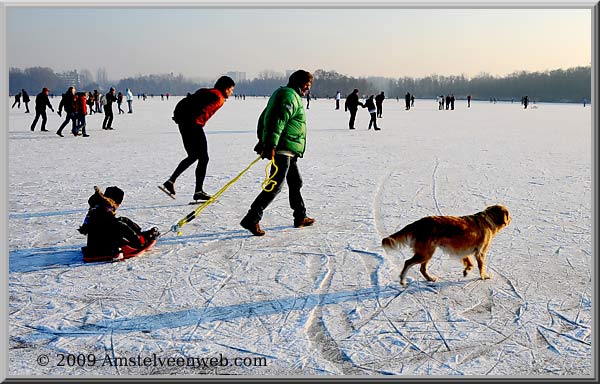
[192,215]
[269,179]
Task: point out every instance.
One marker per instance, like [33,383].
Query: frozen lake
[324,300]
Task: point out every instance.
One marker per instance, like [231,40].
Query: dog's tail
[398,239]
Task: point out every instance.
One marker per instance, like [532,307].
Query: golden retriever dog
[460,236]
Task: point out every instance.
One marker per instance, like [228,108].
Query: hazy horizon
[202,43]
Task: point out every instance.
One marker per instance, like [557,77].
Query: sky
[208,42]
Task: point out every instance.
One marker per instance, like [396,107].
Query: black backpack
[188,108]
[183,110]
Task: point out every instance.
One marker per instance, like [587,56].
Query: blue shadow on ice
[36,259]
[195,316]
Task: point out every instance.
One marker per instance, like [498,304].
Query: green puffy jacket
[282,124]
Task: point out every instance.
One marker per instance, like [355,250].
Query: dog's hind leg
[468,262]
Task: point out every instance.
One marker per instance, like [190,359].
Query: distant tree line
[561,85]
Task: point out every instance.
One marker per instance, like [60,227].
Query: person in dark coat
[90,102]
[525,101]
[352,103]
[68,104]
[26,99]
[379,103]
[447,102]
[97,101]
[41,102]
[412,100]
[452,101]
[469,101]
[17,101]
[407,101]
[106,233]
[108,112]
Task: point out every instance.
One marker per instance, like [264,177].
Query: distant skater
[379,103]
[525,101]
[108,112]
[338,97]
[119,102]
[469,101]
[407,101]
[26,99]
[68,104]
[97,101]
[90,102]
[41,102]
[370,105]
[191,115]
[351,105]
[129,98]
[452,101]
[80,113]
[412,101]
[307,100]
[17,101]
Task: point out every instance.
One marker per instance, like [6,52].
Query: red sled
[127,253]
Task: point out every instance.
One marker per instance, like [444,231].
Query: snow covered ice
[322,300]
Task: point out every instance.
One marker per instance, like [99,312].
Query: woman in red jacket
[80,113]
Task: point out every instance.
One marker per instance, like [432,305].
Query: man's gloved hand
[268,153]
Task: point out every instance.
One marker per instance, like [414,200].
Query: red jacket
[81,104]
[212,100]
[196,109]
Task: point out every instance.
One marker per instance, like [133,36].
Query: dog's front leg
[416,259]
[480,256]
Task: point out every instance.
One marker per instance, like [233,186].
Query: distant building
[72,78]
[237,76]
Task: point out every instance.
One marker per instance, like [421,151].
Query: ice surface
[321,300]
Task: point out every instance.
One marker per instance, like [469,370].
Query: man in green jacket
[282,137]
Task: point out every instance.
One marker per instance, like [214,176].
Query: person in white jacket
[129,98]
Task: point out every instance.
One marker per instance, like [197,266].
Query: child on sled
[112,238]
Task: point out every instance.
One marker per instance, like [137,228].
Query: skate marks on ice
[207,314]
[82,212]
